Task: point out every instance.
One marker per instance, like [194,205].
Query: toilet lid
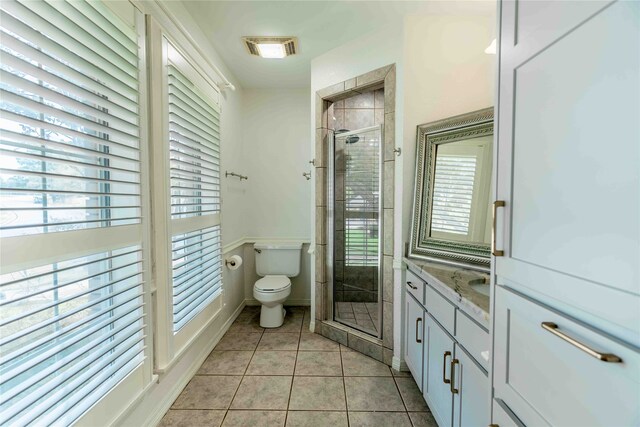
[272,283]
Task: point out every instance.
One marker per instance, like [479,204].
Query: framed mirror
[452,198]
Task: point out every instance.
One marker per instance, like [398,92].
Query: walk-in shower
[355,228]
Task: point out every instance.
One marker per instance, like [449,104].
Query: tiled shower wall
[385,77]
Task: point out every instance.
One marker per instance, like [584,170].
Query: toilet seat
[269,284]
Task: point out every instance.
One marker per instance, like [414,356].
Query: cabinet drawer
[545,378]
[440,308]
[415,286]
[473,337]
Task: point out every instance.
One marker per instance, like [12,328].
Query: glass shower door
[356,199]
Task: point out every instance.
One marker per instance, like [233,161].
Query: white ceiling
[319,25]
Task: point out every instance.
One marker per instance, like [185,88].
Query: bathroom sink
[480,286]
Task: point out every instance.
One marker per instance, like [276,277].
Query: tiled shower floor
[362,314]
[288,376]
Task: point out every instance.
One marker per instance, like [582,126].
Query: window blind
[71,321]
[68,120]
[194,151]
[453,193]
[197,272]
[362,200]
[194,135]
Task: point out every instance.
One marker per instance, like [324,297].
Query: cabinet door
[471,402]
[414,340]
[437,372]
[567,158]
[503,417]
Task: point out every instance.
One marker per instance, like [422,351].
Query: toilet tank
[278,258]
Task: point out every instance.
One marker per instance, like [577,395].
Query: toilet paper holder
[230,262]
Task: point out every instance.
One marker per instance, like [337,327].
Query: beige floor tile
[244,328]
[316,419]
[309,341]
[317,393]
[411,394]
[272,363]
[279,342]
[292,324]
[379,419]
[239,341]
[372,394]
[263,392]
[192,418]
[422,419]
[255,419]
[225,363]
[319,363]
[358,365]
[208,392]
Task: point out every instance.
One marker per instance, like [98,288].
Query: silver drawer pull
[411,286]
[605,357]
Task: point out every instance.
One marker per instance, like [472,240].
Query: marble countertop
[453,282]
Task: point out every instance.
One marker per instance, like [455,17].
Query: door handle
[444,367]
[497,204]
[605,357]
[454,390]
[412,286]
[418,320]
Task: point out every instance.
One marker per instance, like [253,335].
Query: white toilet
[276,262]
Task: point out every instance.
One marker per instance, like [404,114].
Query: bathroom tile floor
[362,314]
[291,377]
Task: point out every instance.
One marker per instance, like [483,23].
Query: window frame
[23,252]
[164,49]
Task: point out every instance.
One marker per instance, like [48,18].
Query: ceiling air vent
[271,47]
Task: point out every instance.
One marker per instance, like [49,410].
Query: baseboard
[167,401]
[398,364]
[291,302]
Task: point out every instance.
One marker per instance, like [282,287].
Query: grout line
[242,378]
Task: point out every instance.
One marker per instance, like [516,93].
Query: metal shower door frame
[330,266]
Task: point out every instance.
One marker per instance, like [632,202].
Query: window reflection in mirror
[460,193]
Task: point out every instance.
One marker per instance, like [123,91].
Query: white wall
[276,152]
[446,73]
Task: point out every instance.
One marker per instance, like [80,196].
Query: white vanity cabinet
[414,338]
[437,371]
[471,391]
[443,350]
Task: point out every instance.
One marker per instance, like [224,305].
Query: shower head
[350,139]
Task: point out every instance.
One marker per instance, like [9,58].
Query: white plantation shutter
[194,151]
[71,285]
[453,193]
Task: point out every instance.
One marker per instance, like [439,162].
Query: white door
[437,372]
[471,402]
[414,338]
[569,158]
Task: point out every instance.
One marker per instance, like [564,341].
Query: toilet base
[272,317]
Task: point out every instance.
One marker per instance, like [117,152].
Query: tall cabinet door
[437,372]
[568,156]
[414,338]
